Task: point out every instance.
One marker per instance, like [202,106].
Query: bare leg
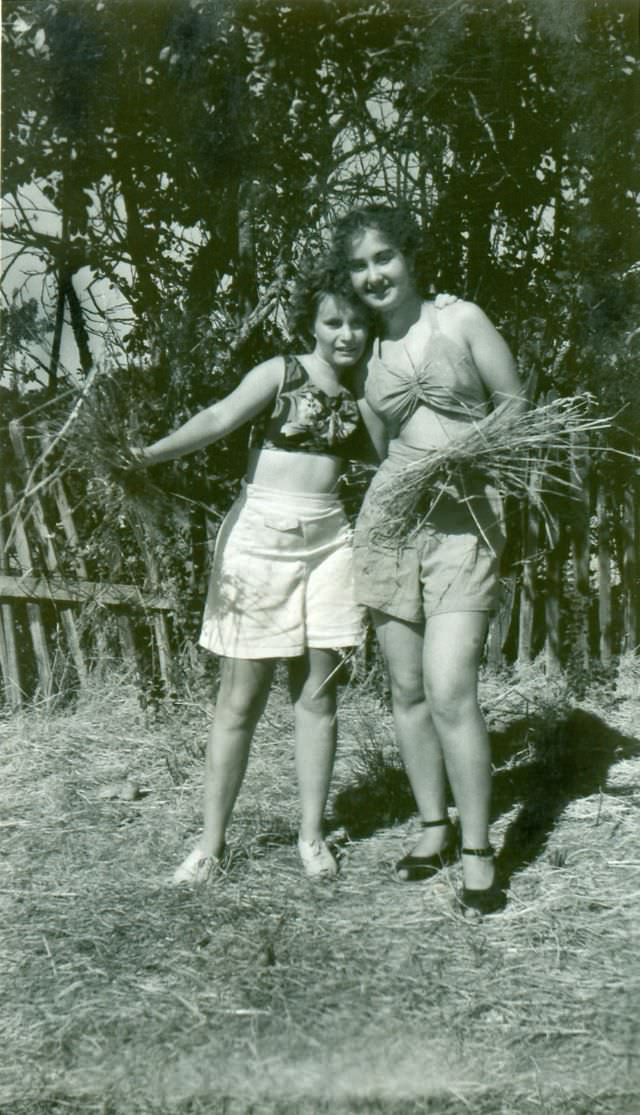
[312,684]
[242,696]
[418,742]
[453,646]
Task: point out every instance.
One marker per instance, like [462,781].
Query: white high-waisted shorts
[282,577]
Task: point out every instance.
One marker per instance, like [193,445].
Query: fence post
[580,545]
[34,611]
[50,557]
[529,581]
[159,621]
[10,661]
[553,593]
[127,645]
[604,573]
[630,547]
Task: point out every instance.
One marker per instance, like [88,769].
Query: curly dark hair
[395,222]
[314,281]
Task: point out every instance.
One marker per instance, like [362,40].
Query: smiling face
[381,275]
[340,331]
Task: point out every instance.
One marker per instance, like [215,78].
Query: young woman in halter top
[431,374]
[281,585]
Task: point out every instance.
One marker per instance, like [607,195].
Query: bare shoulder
[462,312]
[259,384]
[273,364]
[270,370]
[466,321]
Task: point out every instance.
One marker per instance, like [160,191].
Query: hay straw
[98,443]
[266,993]
[526,455]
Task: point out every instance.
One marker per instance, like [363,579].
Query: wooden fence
[41,607]
[572,597]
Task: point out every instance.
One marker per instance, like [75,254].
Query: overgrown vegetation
[190,152]
[167,166]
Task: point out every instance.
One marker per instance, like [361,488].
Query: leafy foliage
[195,150]
[507,125]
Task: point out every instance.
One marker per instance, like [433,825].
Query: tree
[195,148]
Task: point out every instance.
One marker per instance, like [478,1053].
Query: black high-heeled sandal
[485,900]
[415,869]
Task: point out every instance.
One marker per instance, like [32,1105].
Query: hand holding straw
[519,454]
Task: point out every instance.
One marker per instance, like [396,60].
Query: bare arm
[492,357]
[374,426]
[249,398]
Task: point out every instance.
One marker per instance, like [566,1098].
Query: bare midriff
[314,473]
[430,429]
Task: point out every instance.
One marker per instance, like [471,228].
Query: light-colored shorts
[282,577]
[450,565]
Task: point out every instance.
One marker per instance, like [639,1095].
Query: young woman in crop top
[282,580]
[432,372]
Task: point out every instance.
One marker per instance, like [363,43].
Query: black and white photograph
[297,297]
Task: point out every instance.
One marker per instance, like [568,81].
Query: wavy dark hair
[395,222]
[317,279]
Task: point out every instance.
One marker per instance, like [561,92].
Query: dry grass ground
[263,993]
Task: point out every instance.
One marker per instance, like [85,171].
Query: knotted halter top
[305,419]
[445,380]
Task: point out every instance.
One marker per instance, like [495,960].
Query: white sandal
[317,860]
[197,868]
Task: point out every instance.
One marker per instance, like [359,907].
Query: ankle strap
[434,824]
[484,852]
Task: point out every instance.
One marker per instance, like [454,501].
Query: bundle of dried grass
[99,442]
[523,454]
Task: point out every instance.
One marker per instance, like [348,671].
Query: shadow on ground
[379,799]
[569,758]
[542,765]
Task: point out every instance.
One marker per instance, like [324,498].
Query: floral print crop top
[305,419]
